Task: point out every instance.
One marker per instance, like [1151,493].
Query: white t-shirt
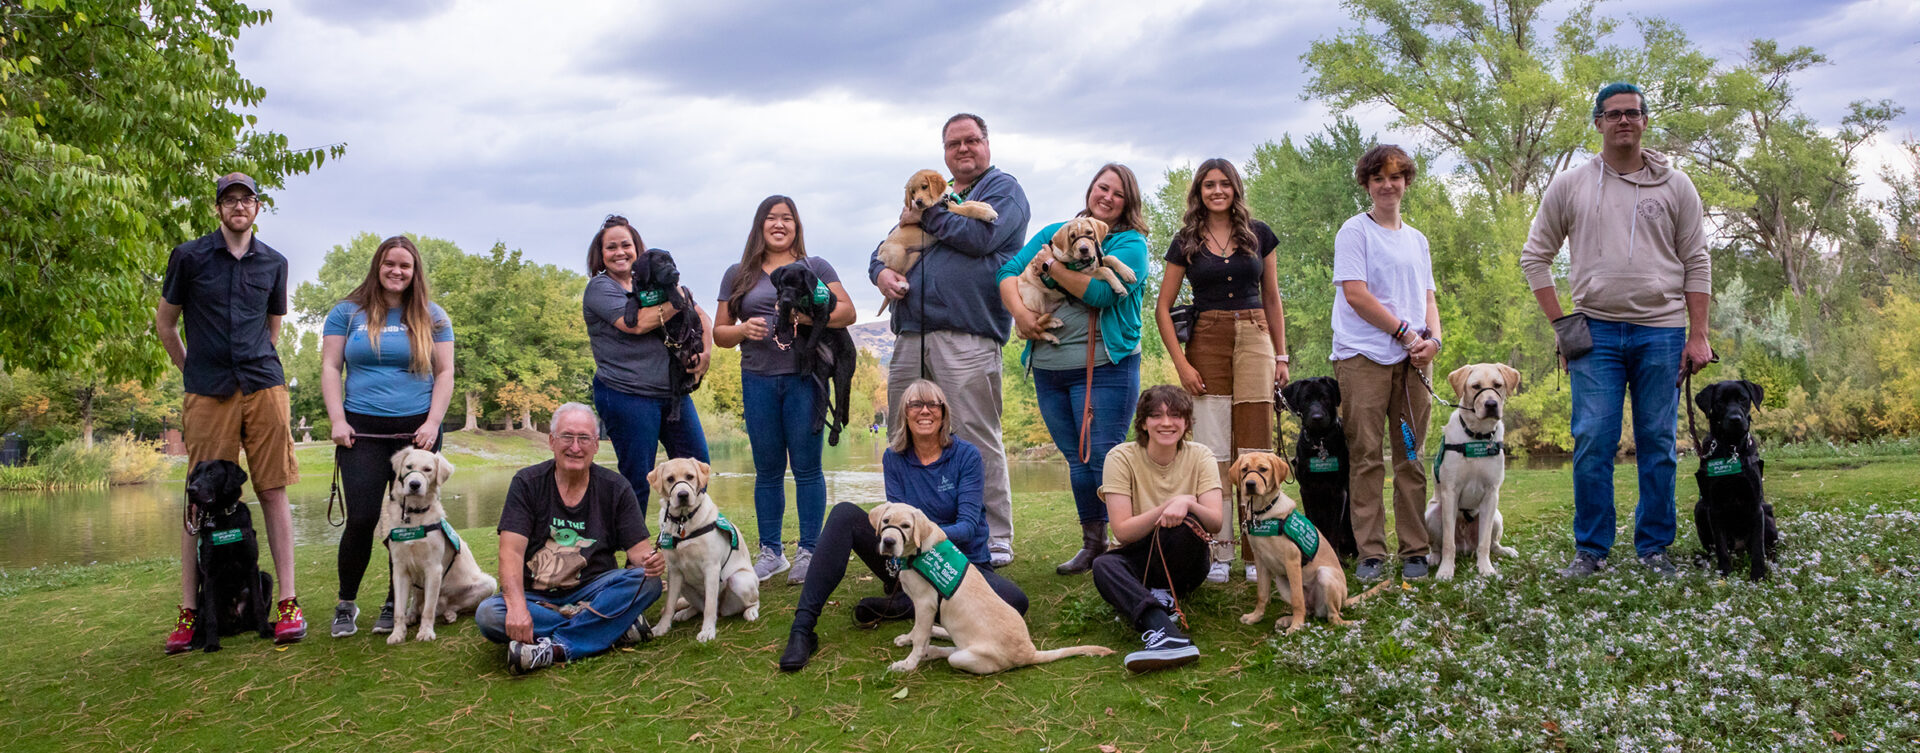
[1398,270]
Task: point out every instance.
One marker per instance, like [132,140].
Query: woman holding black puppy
[632,386]
[386,375]
[777,398]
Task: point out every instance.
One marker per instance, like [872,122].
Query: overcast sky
[493,121]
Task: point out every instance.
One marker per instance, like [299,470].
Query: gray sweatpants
[967,368]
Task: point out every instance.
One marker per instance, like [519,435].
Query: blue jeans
[637,426]
[621,595]
[1116,386]
[779,413]
[1641,361]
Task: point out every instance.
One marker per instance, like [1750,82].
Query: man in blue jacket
[947,314]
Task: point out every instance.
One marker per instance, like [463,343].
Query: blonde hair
[921,389]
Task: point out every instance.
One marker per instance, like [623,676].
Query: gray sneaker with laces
[638,632]
[801,560]
[771,562]
[344,616]
[383,624]
[1371,569]
[528,657]
[1583,565]
[1660,564]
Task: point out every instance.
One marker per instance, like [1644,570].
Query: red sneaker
[181,639]
[290,625]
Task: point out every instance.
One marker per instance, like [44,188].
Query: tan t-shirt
[1129,471]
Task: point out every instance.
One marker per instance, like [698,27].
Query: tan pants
[1374,400]
[967,368]
[218,428]
[1233,351]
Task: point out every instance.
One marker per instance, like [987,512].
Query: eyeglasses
[928,406]
[572,440]
[230,202]
[970,142]
[1615,116]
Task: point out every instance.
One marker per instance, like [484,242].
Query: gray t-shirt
[763,357]
[634,364]
[1071,352]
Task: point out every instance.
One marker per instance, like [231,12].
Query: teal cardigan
[1119,315]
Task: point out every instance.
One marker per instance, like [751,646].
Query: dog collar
[1480,436]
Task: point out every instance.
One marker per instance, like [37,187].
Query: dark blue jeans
[1116,387]
[638,426]
[779,413]
[619,595]
[1641,361]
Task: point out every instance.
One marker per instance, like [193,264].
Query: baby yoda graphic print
[557,566]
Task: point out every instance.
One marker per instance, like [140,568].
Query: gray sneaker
[383,624]
[1659,564]
[1414,568]
[638,632]
[801,559]
[527,657]
[771,562]
[344,616]
[1372,569]
[999,554]
[1583,565]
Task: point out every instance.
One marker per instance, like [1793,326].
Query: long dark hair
[755,252]
[1192,235]
[596,264]
[1133,215]
[372,300]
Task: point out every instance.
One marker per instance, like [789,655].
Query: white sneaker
[771,562]
[1253,574]
[1217,572]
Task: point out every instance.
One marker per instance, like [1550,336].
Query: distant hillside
[874,336]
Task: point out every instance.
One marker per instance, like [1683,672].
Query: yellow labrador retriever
[1288,551]
[434,573]
[1464,512]
[901,250]
[1077,245]
[702,548]
[988,635]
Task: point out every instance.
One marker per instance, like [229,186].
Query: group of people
[1638,268]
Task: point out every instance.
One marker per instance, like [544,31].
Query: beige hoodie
[1637,243]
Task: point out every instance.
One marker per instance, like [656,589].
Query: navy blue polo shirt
[225,303]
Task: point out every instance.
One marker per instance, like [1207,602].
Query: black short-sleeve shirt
[568,546]
[225,303]
[1229,284]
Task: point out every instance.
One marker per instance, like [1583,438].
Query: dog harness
[1731,465]
[653,297]
[943,566]
[415,533]
[1321,462]
[668,542]
[1482,446]
[1047,280]
[1295,527]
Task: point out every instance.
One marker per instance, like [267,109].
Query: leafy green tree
[115,119]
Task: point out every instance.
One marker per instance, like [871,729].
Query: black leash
[1686,383]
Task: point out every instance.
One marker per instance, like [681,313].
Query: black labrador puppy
[1320,460]
[825,353]
[235,596]
[656,280]
[1733,514]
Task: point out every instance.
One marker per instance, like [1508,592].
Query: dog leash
[337,499]
[1086,402]
[1153,547]
[1686,383]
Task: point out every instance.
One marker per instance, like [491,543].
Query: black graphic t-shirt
[568,546]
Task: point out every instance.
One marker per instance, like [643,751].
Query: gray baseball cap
[234,179]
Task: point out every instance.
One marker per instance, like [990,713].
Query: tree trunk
[86,415]
[526,417]
[473,411]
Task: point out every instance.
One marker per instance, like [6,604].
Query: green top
[1119,315]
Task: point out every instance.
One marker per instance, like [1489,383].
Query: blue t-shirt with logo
[379,382]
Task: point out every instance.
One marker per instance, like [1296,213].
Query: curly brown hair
[1384,159]
[1165,397]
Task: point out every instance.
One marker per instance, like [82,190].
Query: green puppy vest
[1295,527]
[943,566]
[415,533]
[1715,467]
[668,541]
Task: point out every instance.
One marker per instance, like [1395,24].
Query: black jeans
[365,471]
[1124,575]
[848,531]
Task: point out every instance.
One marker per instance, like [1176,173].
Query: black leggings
[1124,575]
[365,471]
[848,530]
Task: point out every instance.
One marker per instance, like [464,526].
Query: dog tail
[1042,657]
[1384,582]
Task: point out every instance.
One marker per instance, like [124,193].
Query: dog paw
[1444,573]
[903,640]
[752,613]
[397,637]
[426,634]
[1288,626]
[661,629]
[1487,571]
[904,665]
[1250,618]
[1507,551]
[686,613]
[705,635]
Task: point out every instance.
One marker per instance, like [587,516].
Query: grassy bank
[1821,656]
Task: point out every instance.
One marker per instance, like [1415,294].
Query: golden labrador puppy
[1288,549]
[1077,245]
[434,572]
[988,635]
[704,558]
[1468,470]
[901,250]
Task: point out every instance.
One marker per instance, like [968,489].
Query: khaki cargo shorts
[219,428]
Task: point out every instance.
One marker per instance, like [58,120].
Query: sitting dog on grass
[1289,553]
[1320,461]
[234,594]
[707,571]
[435,575]
[1464,512]
[1733,514]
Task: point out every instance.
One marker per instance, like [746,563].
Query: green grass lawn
[1822,656]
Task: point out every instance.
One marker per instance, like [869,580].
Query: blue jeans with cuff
[638,426]
[1642,362]
[616,598]
[1116,387]
[779,415]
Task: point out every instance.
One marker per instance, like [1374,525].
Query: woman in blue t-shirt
[398,380]
[778,399]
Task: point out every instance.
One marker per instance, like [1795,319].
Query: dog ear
[1061,237]
[706,471]
[1754,391]
[1238,471]
[399,461]
[1281,470]
[1512,377]
[444,469]
[1291,394]
[874,515]
[236,479]
[1702,399]
[653,477]
[1333,388]
[1459,380]
[1099,230]
[925,533]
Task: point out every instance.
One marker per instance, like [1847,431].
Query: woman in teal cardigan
[1087,416]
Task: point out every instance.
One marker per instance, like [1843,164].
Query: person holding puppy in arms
[1087,376]
[1642,282]
[568,599]
[778,399]
[386,369]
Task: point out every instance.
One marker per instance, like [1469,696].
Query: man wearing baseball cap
[232,291]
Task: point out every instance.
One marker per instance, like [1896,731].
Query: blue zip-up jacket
[948,491]
[953,287]
[1119,315]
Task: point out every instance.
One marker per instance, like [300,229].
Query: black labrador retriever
[235,596]
[1320,460]
[825,353]
[1733,514]
[656,280]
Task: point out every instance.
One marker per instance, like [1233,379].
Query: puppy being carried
[1733,514]
[1077,246]
[1464,512]
[704,560]
[988,634]
[234,595]
[434,572]
[826,354]
[656,280]
[927,188]
[1289,554]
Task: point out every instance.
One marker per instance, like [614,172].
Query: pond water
[131,522]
